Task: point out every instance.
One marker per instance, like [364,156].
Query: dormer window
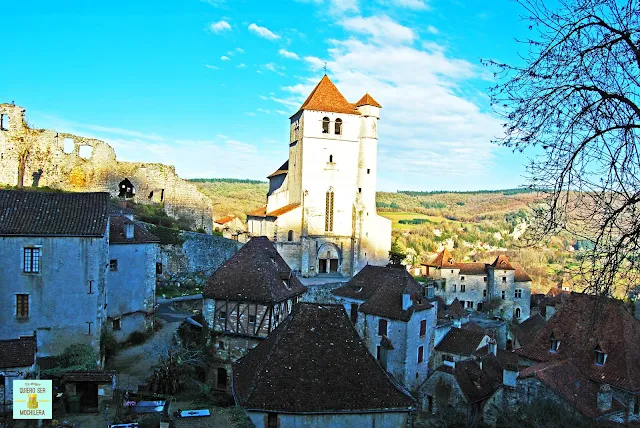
[555,343]
[325,125]
[338,130]
[601,356]
[358,289]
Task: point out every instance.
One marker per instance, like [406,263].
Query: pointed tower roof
[367,100]
[444,258]
[502,262]
[326,97]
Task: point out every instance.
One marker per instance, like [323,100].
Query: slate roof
[367,100]
[526,331]
[256,273]
[315,361]
[475,384]
[18,352]
[381,289]
[284,168]
[262,212]
[581,324]
[503,357]
[140,233]
[326,97]
[24,213]
[566,378]
[459,341]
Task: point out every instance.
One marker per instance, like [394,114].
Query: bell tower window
[328,220]
[338,126]
[325,125]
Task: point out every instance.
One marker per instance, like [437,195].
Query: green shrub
[137,338]
[108,344]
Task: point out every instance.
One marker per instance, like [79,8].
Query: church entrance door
[333,265]
[328,259]
[322,268]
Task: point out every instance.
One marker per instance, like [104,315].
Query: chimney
[457,323]
[493,347]
[550,310]
[430,293]
[479,361]
[128,230]
[605,397]
[510,375]
[406,299]
[123,204]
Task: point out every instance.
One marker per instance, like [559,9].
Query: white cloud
[336,6]
[261,110]
[287,54]
[213,67]
[220,26]
[432,29]
[263,32]
[242,65]
[275,68]
[411,4]
[262,97]
[239,50]
[282,112]
[225,58]
[381,29]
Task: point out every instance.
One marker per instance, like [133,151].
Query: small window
[420,354]
[368,170]
[382,327]
[223,315]
[32,260]
[4,122]
[462,278]
[222,378]
[504,296]
[601,357]
[325,125]
[338,126]
[463,288]
[115,324]
[330,158]
[359,189]
[504,279]
[252,319]
[518,293]
[451,270]
[470,304]
[518,312]
[272,420]
[484,293]
[378,352]
[555,344]
[113,265]
[158,268]
[22,306]
[423,328]
[354,312]
[290,236]
[220,344]
[484,278]
[446,357]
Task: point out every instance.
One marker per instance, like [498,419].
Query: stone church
[321,207]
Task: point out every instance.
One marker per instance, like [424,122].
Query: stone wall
[75,163]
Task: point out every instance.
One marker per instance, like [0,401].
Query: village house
[458,345]
[315,370]
[17,361]
[476,284]
[231,227]
[585,358]
[55,249]
[321,208]
[131,279]
[397,322]
[522,334]
[244,301]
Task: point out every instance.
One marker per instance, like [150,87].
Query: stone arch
[329,259]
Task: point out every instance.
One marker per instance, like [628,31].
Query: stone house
[131,278]
[17,360]
[388,308]
[458,345]
[522,334]
[474,284]
[315,370]
[321,208]
[54,273]
[591,341]
[245,300]
[231,227]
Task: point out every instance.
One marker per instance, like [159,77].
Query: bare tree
[576,98]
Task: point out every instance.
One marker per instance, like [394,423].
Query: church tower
[321,203]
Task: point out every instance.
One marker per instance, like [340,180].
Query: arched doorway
[328,259]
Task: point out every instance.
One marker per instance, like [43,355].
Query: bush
[75,357]
[137,338]
[108,344]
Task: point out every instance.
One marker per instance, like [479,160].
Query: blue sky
[208,86]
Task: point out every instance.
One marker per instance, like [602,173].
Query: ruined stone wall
[74,163]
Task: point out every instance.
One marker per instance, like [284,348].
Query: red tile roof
[581,324]
[502,262]
[520,274]
[326,97]
[526,331]
[225,219]
[260,212]
[444,258]
[367,100]
[315,362]
[472,268]
[17,353]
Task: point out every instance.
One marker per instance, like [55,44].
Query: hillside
[474,225]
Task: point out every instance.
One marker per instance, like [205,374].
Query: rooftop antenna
[325,68]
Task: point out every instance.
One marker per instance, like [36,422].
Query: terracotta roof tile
[25,213]
[315,361]
[502,262]
[326,97]
[526,331]
[471,268]
[444,258]
[520,274]
[17,353]
[255,273]
[381,289]
[584,322]
[260,212]
[475,384]
[283,210]
[367,100]
[225,219]
[459,341]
